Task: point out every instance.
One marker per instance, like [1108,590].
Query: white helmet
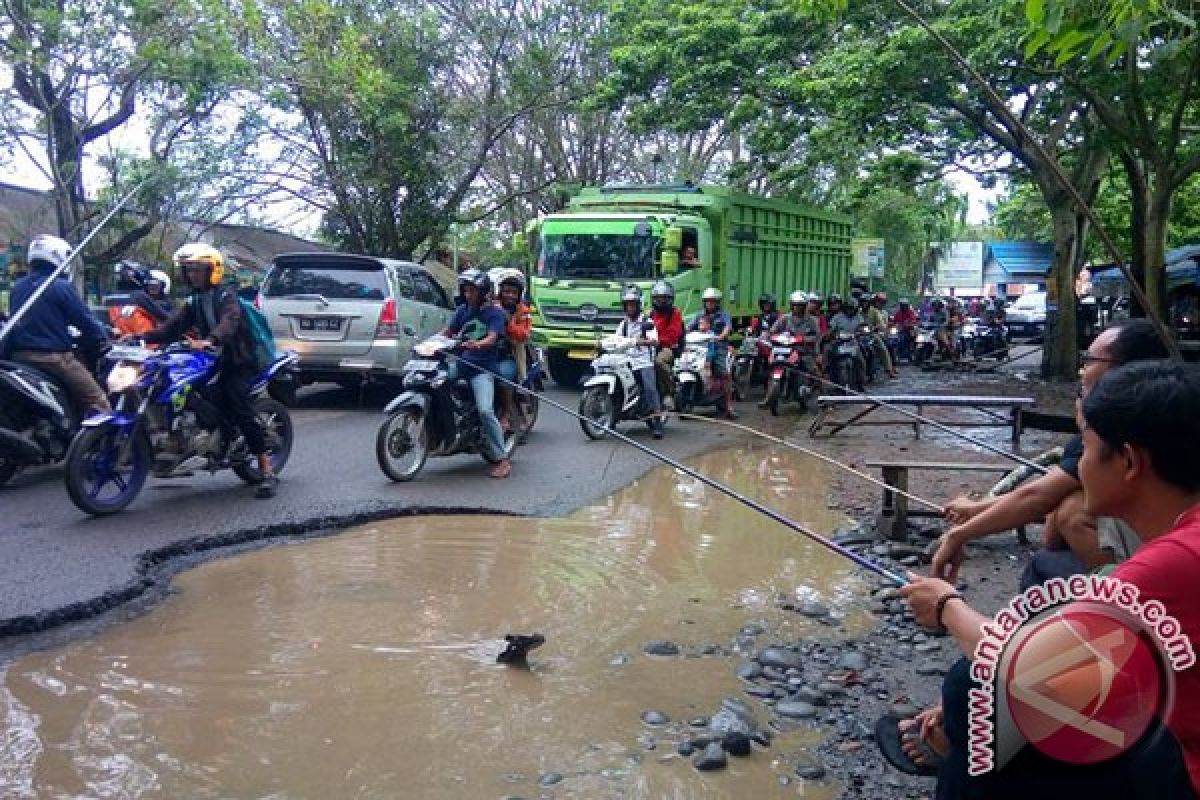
[51,249]
[798,298]
[163,278]
[711,294]
[503,275]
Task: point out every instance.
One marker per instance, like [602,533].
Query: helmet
[160,277]
[631,295]
[49,250]
[477,278]
[835,298]
[937,302]
[662,295]
[132,275]
[798,298]
[508,275]
[904,302]
[711,294]
[856,295]
[199,253]
[815,297]
[767,299]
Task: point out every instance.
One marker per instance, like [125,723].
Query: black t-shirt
[1072,452]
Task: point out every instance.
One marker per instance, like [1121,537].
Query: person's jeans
[649,383]
[483,386]
[1047,564]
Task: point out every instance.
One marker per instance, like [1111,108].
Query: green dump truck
[612,237]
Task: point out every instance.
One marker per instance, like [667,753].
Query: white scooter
[613,393]
[694,381]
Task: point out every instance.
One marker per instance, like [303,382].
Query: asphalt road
[58,565]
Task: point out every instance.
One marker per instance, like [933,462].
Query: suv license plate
[320,324]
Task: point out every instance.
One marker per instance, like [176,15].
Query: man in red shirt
[1141,436]
[668,322]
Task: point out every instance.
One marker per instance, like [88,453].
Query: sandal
[502,469]
[890,741]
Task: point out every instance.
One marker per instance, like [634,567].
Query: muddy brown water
[362,665]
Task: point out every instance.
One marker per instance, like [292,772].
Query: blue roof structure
[1182,270]
[1017,262]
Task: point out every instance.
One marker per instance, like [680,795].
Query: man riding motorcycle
[877,320]
[815,302]
[767,318]
[633,326]
[717,321]
[213,312]
[798,323]
[480,357]
[906,321]
[510,289]
[41,339]
[146,306]
[834,307]
[668,322]
[846,320]
[939,320]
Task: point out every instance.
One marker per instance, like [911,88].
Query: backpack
[258,334]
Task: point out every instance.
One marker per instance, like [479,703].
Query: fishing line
[46,284]
[815,454]
[790,524]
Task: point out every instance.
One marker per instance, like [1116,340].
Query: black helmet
[477,278]
[767,299]
[937,302]
[835,298]
[904,302]
[856,295]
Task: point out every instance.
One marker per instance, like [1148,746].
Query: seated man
[1141,434]
[1071,539]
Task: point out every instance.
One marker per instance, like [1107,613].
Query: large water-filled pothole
[362,665]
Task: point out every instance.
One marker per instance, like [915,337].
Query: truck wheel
[566,372]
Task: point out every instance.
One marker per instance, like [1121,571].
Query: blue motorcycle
[165,421]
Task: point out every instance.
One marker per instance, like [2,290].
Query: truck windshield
[603,256]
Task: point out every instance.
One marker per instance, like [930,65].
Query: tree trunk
[1060,355]
[1154,249]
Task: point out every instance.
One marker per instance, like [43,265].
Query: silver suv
[351,318]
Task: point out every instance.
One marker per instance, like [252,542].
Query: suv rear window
[329,281]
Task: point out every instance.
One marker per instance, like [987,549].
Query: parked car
[1026,316]
[351,319]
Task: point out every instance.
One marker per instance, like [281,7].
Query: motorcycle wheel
[683,401]
[276,423]
[402,445]
[773,392]
[741,381]
[527,407]
[596,408]
[860,378]
[91,465]
[8,470]
[842,374]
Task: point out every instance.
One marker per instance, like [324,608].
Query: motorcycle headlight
[121,377]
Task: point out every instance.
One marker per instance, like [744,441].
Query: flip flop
[890,741]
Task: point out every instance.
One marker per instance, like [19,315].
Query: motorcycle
[992,341]
[37,418]
[433,416]
[870,359]
[165,420]
[750,363]
[613,393]
[790,373]
[847,367]
[695,384]
[928,346]
[902,342]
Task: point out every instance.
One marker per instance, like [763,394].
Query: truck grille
[566,315]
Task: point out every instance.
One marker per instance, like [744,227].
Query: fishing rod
[820,456]
[45,285]
[790,524]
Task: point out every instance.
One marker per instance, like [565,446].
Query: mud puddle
[362,665]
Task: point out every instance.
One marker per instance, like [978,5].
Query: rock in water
[712,758]
[660,648]
[736,744]
[749,670]
[655,718]
[796,709]
[726,721]
[852,659]
[779,658]
[518,647]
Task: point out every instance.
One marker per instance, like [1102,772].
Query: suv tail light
[388,326]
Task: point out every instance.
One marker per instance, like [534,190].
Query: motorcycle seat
[26,366]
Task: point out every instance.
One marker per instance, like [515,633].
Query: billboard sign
[868,258]
[959,264]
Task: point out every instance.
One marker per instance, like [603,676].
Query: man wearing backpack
[215,314]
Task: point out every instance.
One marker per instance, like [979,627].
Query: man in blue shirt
[41,338]
[483,323]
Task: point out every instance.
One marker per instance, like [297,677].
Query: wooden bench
[992,408]
[893,519]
